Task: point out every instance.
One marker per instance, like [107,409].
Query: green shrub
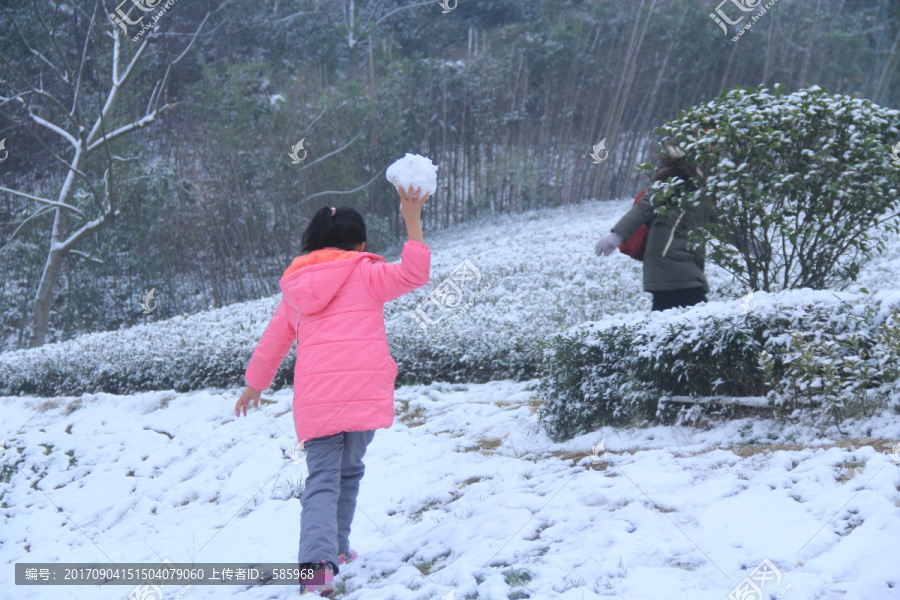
[837,354]
[802,185]
[850,369]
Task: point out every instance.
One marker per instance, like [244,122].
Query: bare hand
[411,202]
[244,401]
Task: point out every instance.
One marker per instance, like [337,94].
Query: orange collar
[317,257]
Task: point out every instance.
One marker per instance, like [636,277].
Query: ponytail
[331,227]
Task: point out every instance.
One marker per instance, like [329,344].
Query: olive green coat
[675,267]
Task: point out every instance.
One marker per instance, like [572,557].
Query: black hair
[342,228]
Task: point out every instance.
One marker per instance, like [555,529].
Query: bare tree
[89,125]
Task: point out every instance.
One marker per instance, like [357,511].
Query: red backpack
[637,243]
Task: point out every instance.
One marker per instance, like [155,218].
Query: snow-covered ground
[464,493]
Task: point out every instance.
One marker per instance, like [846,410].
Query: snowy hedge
[539,282]
[837,354]
[542,275]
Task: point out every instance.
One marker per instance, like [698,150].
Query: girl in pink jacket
[332,304]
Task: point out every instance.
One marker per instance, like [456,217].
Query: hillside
[540,266]
[465,493]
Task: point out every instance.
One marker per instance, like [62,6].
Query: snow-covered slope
[538,275]
[464,493]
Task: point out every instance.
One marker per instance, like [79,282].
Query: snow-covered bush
[850,368]
[838,354]
[542,277]
[802,185]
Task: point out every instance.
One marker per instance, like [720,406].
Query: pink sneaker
[347,558]
[321,582]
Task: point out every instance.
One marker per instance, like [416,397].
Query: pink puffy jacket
[333,304]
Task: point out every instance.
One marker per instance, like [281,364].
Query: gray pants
[329,496]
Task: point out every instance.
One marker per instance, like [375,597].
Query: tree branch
[396,10]
[85,256]
[41,57]
[66,246]
[128,128]
[341,149]
[342,193]
[55,203]
[54,128]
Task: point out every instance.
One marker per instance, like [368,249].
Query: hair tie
[333,211]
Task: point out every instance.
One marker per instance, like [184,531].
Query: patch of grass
[73,406]
[517,577]
[411,417]
[248,508]
[71,455]
[848,470]
[537,534]
[48,405]
[416,515]
[567,455]
[40,475]
[754,448]
[7,470]
[470,481]
[381,575]
[287,489]
[426,567]
[748,450]
[679,564]
[464,513]
[164,401]
[187,500]
[488,443]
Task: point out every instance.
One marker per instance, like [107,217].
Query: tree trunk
[40,318]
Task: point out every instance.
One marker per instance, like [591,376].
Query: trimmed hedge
[836,353]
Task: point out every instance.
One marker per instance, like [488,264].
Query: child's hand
[411,210]
[411,202]
[246,396]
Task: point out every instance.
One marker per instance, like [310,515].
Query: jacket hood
[311,282]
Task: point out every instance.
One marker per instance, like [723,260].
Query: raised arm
[388,281]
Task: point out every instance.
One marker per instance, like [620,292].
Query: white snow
[414,170]
[465,477]
[463,493]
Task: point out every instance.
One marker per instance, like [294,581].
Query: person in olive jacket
[673,273]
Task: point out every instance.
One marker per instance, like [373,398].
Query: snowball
[414,170]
